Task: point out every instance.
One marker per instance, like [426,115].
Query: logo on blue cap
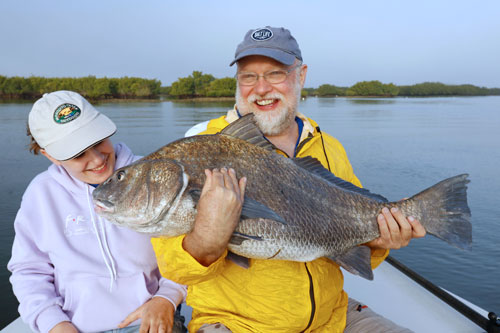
[262,35]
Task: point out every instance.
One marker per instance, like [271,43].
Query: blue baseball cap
[275,43]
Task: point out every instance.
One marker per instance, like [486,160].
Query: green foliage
[440,89]
[91,87]
[195,85]
[308,92]
[201,83]
[373,88]
[376,88]
[206,85]
[165,91]
[330,90]
[183,87]
[225,87]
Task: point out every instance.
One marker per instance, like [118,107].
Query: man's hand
[157,316]
[218,214]
[64,327]
[396,230]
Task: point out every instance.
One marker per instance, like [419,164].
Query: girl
[71,270]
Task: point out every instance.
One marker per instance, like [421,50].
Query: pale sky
[342,42]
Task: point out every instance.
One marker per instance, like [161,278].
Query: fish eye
[120,175]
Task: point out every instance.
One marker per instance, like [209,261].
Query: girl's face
[92,166]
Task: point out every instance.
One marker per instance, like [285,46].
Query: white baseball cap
[65,124]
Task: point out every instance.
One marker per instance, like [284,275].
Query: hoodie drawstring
[104,248]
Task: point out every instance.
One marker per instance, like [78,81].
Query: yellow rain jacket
[271,295]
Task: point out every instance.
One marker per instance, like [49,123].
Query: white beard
[270,122]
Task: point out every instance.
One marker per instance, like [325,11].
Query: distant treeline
[376,88]
[91,87]
[206,85]
[201,85]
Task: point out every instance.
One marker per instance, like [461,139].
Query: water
[397,147]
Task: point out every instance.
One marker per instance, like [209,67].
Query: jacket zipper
[306,140]
[311,285]
[311,295]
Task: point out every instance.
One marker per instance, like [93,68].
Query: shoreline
[117,100]
[229,99]
[220,99]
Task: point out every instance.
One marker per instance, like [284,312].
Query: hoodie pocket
[93,307]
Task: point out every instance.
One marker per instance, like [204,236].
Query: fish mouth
[104,206]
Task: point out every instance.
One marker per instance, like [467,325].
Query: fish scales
[268,183]
[303,212]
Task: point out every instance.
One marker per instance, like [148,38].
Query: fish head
[139,196]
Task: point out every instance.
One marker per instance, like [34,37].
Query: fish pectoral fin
[253,209]
[356,261]
[238,260]
[237,238]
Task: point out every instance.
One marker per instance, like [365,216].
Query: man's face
[93,166]
[274,105]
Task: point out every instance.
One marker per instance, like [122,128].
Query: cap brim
[100,128]
[280,56]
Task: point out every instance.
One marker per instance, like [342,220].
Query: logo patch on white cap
[66,112]
[263,34]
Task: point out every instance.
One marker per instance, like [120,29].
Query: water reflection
[190,113]
[397,147]
[370,101]
[322,102]
[203,104]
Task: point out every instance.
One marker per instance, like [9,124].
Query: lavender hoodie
[70,265]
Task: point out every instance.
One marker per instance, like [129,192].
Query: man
[271,295]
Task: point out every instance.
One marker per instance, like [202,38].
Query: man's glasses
[272,77]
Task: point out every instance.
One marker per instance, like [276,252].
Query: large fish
[294,209]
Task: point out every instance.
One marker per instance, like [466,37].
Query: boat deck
[393,295]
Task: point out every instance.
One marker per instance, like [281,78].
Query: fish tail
[443,211]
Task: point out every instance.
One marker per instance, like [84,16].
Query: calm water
[396,146]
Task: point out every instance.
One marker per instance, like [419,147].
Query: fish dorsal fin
[246,129]
[313,165]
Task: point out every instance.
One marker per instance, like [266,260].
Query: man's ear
[303,73]
[53,160]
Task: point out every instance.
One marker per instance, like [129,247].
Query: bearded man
[271,295]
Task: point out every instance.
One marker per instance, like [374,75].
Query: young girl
[71,270]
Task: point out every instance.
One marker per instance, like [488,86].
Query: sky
[342,42]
